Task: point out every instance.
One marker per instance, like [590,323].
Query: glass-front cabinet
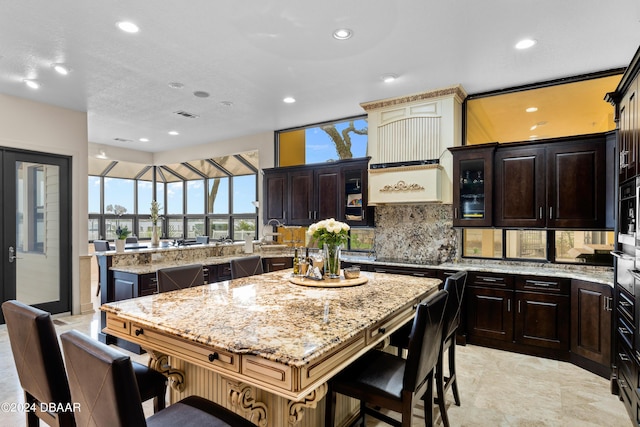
[472,185]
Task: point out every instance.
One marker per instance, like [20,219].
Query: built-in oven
[625,270]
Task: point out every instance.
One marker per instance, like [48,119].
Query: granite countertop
[266,315]
[595,274]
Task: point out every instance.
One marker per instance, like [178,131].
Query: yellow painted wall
[292,148]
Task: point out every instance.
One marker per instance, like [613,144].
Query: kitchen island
[263,346]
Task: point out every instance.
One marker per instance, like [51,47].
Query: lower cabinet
[524,314]
[276,263]
[591,316]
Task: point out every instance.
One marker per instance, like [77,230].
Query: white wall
[40,127]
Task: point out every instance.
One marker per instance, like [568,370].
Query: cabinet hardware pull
[139,332]
[625,304]
[455,213]
[623,330]
[153,279]
[550,212]
[124,324]
[509,305]
[205,270]
[213,356]
[519,306]
[540,212]
[540,283]
[623,357]
[382,330]
[621,383]
[488,279]
[310,215]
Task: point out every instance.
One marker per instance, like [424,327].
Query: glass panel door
[36,230]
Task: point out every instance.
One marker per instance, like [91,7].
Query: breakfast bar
[262,345]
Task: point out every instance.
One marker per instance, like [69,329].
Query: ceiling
[254,54]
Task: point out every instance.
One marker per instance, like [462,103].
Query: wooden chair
[246,266]
[390,382]
[42,374]
[182,277]
[100,246]
[103,385]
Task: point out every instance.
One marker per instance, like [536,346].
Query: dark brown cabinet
[558,184]
[276,185]
[473,185]
[629,132]
[276,263]
[591,315]
[303,195]
[519,313]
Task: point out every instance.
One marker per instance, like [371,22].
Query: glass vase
[332,261]
[155,240]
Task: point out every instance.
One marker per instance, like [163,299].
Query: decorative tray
[328,283]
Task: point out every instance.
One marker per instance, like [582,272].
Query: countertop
[595,274]
[266,315]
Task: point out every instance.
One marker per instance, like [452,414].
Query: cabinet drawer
[116,324]
[625,332]
[544,284]
[626,306]
[191,352]
[409,271]
[392,322]
[267,371]
[490,280]
[625,361]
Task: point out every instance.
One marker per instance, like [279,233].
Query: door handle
[12,254]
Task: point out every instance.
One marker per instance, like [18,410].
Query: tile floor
[497,388]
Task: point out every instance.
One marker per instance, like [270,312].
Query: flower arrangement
[155,209]
[329,232]
[122,232]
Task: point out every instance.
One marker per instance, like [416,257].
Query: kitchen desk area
[263,346]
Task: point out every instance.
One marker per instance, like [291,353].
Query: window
[244,192]
[218,196]
[195,228]
[361,239]
[145,196]
[570,246]
[482,243]
[195,197]
[175,198]
[243,227]
[118,196]
[322,142]
[175,228]
[94,194]
[218,228]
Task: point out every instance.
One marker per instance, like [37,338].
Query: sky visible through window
[320,147]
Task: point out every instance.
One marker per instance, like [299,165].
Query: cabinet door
[327,194]
[275,196]
[520,187]
[472,186]
[489,313]
[542,320]
[301,205]
[591,321]
[576,184]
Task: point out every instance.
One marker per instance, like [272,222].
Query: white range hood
[408,141]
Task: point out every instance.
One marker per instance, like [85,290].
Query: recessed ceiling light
[289,100]
[176,85]
[128,27]
[174,133]
[525,44]
[61,69]
[531,109]
[144,140]
[101,155]
[31,83]
[388,78]
[226,103]
[342,34]
[201,94]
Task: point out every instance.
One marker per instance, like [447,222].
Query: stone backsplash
[420,233]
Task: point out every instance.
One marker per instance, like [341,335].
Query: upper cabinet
[555,183]
[302,195]
[629,135]
[473,185]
